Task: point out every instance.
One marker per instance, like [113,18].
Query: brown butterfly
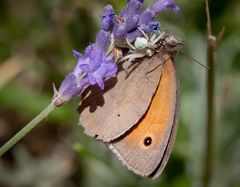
[137,114]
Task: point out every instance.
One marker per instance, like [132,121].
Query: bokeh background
[36,40]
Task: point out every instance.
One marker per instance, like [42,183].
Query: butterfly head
[170,43]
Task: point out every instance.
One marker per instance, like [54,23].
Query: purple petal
[76,54]
[162,5]
[88,50]
[77,70]
[81,60]
[96,57]
[147,16]
[100,82]
[119,31]
[85,68]
[107,17]
[101,71]
[131,36]
[176,9]
[133,8]
[83,82]
[106,70]
[91,79]
[111,69]
[103,39]
[131,23]
[70,87]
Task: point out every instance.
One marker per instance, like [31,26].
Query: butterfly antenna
[203,65]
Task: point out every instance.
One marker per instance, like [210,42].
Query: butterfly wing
[110,114]
[146,148]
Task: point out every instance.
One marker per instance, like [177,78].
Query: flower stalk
[25,130]
[210,123]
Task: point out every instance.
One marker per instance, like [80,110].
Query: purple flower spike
[92,68]
[107,17]
[162,5]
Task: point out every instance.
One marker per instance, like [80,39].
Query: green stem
[27,128]
[209,152]
[210,129]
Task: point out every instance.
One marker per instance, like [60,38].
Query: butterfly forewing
[110,114]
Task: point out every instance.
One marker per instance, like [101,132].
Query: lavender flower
[92,67]
[132,19]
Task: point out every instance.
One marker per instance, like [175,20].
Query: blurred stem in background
[210,131]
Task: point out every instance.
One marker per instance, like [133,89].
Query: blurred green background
[36,40]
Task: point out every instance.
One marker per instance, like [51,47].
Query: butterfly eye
[172,42]
[147,141]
